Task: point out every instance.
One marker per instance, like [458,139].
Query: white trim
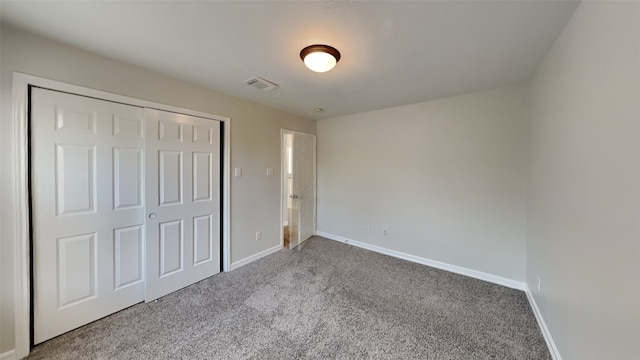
[22,278]
[21,83]
[9,355]
[255,257]
[553,349]
[433,263]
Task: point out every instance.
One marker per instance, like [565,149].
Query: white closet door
[304,184]
[88,213]
[182,201]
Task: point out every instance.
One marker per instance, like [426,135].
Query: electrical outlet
[385,232]
[366,228]
[258,235]
[539,284]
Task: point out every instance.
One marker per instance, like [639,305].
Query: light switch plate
[237,172]
[269,171]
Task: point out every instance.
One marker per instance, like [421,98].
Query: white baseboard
[433,263]
[555,354]
[9,355]
[254,257]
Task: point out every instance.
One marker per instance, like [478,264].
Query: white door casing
[182,201]
[88,209]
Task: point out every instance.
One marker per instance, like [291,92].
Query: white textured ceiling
[393,52]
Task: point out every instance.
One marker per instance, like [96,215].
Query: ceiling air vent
[262,84]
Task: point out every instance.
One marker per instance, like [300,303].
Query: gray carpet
[328,301]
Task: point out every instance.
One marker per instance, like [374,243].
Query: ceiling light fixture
[320,58]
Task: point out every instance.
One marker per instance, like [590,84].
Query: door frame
[284,131]
[21,194]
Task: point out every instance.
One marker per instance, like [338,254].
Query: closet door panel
[182,200]
[88,215]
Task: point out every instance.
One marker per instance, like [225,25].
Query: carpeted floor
[328,301]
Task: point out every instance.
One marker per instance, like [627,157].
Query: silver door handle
[152,215]
[293,196]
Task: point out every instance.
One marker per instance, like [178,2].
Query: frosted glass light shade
[320,58]
[320,61]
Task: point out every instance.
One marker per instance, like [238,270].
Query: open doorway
[287,191]
[298,188]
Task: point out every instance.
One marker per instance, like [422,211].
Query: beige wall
[446,178]
[255,141]
[584,199]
